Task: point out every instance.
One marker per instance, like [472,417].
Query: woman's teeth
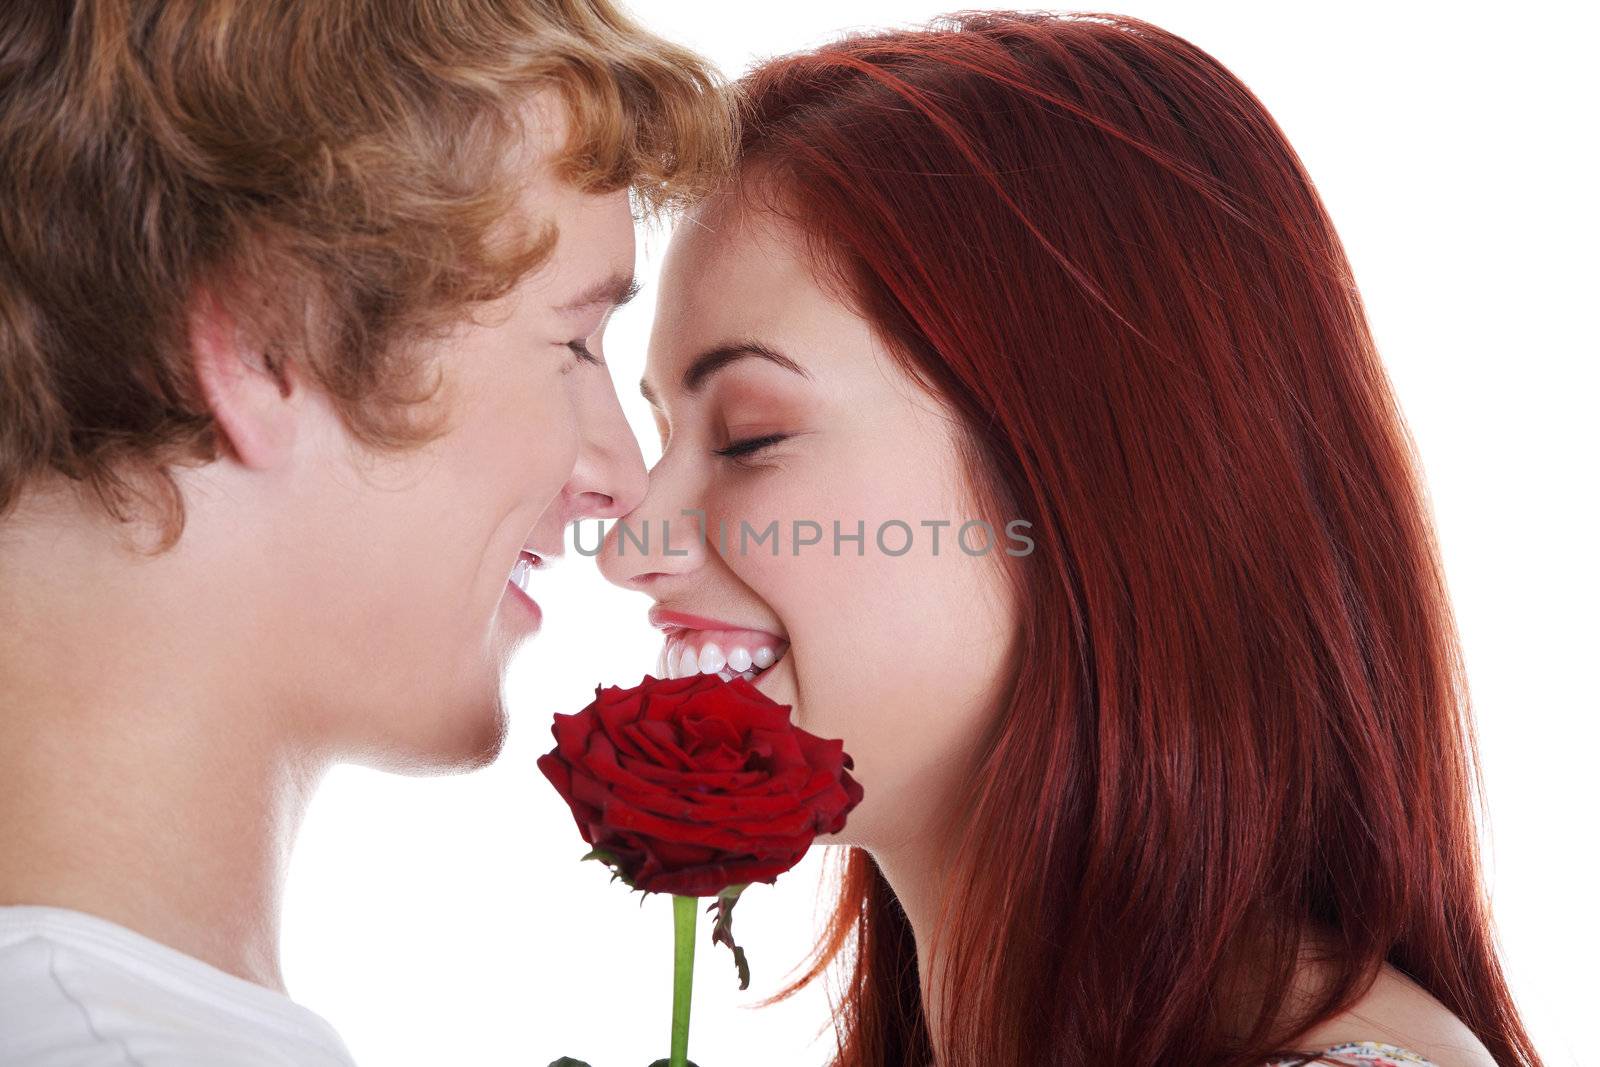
[688,653]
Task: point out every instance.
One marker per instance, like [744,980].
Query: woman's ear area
[252,399]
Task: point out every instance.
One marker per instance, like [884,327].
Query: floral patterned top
[1357,1054]
[1366,1054]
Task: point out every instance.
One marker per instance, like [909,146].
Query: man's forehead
[592,261]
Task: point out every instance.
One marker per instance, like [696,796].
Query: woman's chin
[777,683]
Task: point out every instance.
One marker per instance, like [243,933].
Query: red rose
[692,785]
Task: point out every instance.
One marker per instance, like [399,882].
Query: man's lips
[522,571]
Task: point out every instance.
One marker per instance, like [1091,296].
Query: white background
[447,920]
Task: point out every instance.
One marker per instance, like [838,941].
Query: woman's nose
[662,538]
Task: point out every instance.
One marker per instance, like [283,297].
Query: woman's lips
[663,619]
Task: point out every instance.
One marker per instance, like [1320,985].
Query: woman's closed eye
[750,445]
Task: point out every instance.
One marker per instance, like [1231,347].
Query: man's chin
[485,749]
[466,743]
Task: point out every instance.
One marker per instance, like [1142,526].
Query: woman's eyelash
[580,349]
[753,444]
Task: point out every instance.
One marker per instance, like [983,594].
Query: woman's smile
[698,645]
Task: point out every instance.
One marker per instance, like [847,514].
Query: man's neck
[139,782]
[182,841]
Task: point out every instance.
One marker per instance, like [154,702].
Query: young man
[301,309]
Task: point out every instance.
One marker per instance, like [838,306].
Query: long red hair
[1242,713]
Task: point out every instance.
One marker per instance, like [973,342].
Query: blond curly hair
[342,156]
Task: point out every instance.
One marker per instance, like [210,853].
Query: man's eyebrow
[613,292]
[711,361]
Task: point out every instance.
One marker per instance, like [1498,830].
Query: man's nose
[608,480]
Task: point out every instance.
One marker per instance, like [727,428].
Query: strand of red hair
[1243,737]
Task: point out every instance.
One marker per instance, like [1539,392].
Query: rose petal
[694,784]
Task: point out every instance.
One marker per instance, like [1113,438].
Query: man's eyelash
[580,349]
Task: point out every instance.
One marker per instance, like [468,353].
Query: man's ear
[253,405]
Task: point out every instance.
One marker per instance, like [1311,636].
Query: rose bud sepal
[722,929]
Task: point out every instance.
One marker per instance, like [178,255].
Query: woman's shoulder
[1396,1022]
[1366,1054]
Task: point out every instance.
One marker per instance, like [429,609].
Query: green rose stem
[684,913]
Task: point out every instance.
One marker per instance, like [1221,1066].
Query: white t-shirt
[79,991]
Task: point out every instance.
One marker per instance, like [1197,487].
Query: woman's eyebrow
[711,361]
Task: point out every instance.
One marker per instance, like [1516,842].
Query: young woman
[301,308]
[1179,770]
